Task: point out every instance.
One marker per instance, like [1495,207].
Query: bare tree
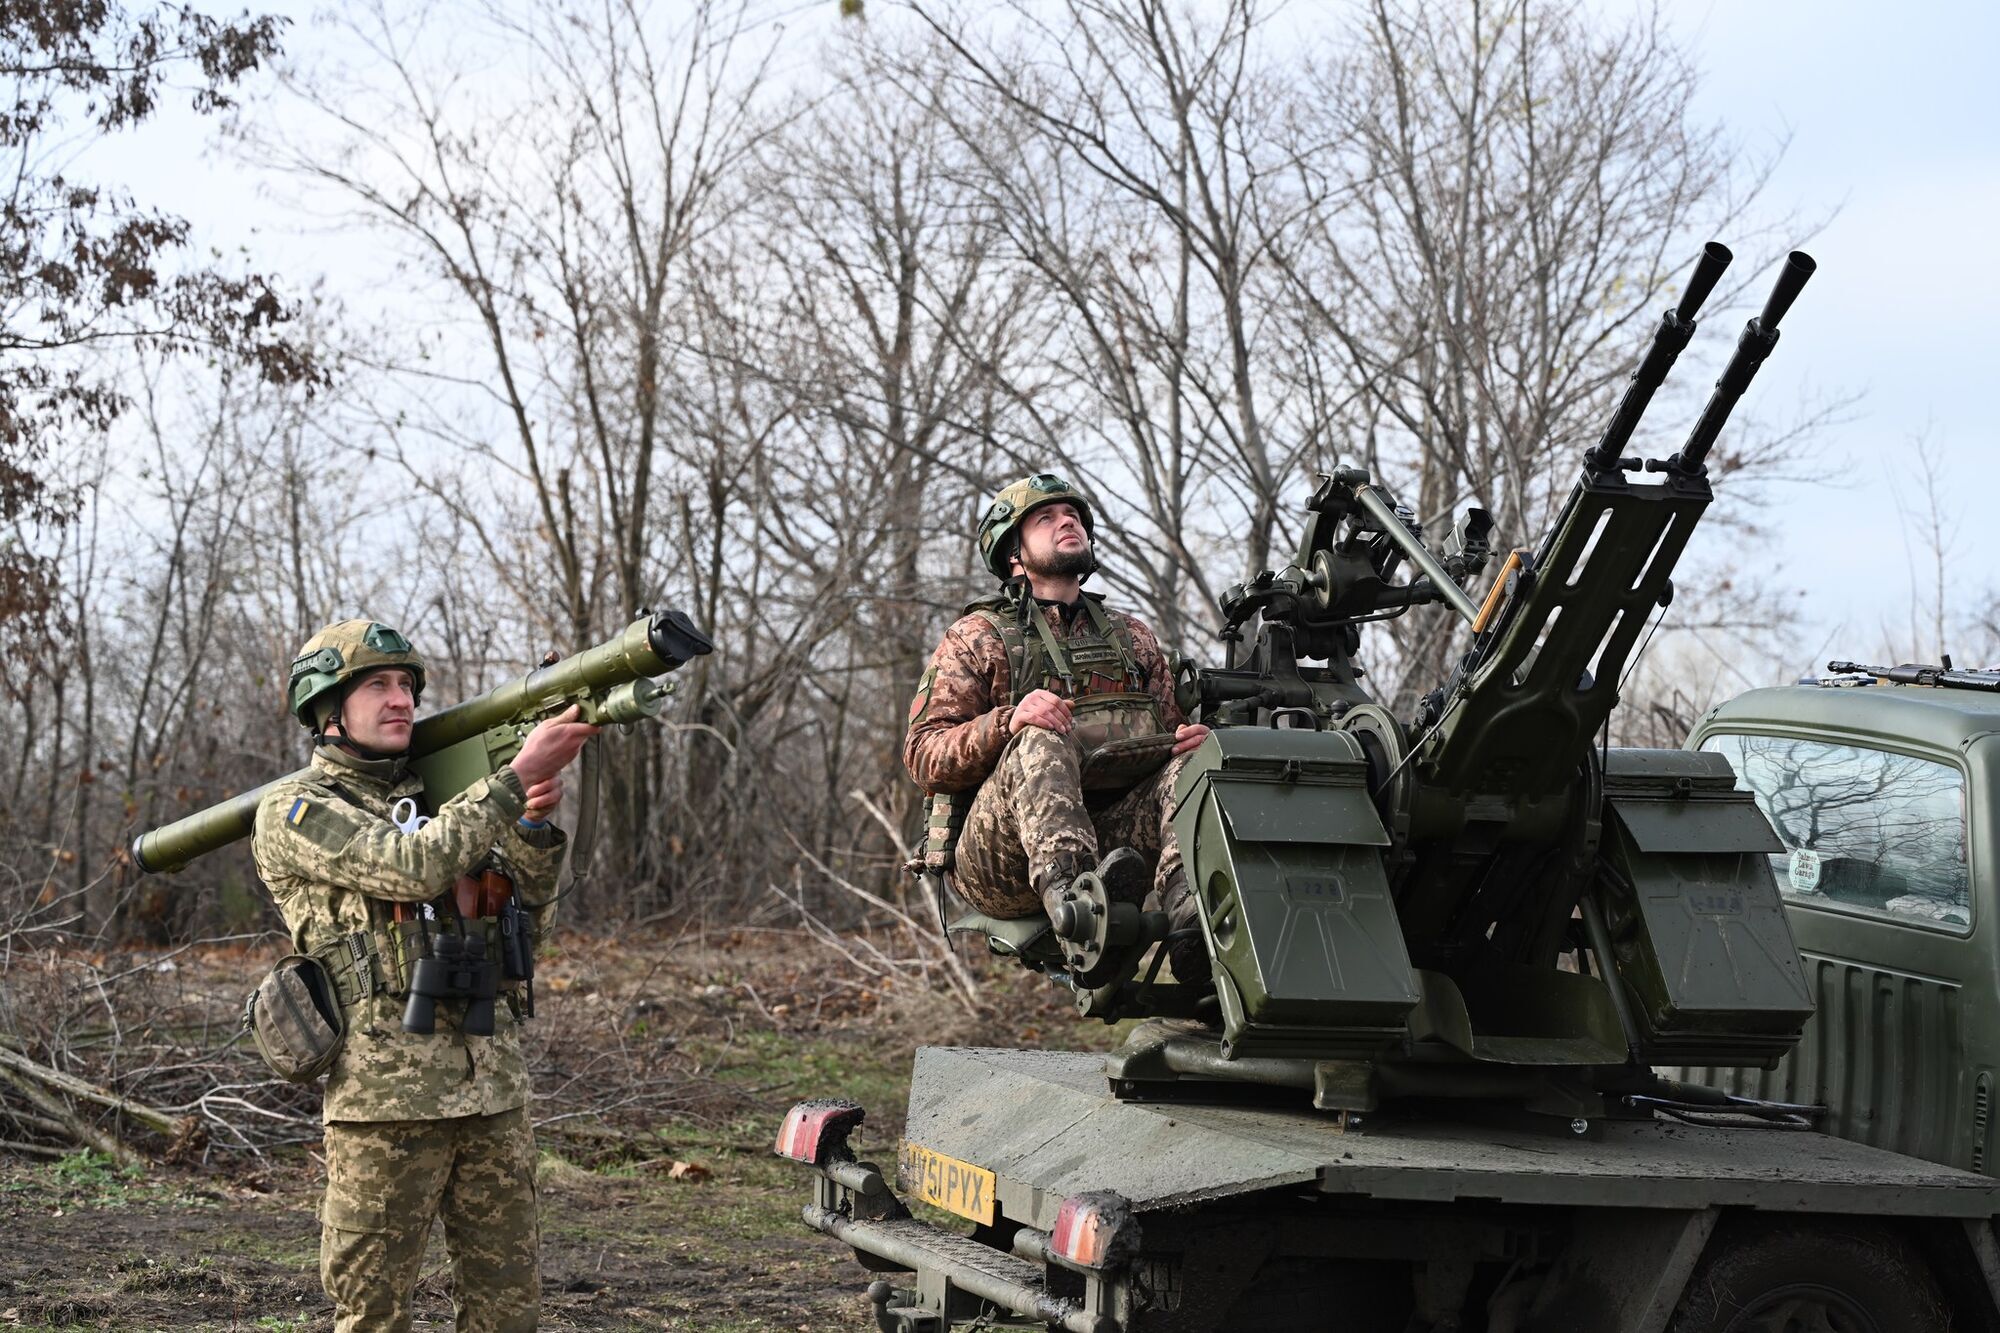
[694,307]
[1132,181]
[560,222]
[85,268]
[1493,197]
[902,326]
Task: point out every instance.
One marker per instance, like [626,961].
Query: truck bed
[1045,1123]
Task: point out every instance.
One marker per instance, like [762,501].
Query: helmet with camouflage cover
[341,653]
[997,535]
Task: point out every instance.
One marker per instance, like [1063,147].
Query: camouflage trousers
[386,1180]
[1033,810]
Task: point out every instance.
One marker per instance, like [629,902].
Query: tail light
[1091,1230]
[812,1130]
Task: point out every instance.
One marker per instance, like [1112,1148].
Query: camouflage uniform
[1031,817]
[417,1125]
[386,1179]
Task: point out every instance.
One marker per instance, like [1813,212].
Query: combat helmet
[341,653]
[1015,503]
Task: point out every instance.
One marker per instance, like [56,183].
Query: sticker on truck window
[947,1183]
[1804,870]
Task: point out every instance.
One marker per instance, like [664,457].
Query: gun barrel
[650,646]
[1715,257]
[1676,327]
[1383,512]
[1913,673]
[1760,335]
[1792,277]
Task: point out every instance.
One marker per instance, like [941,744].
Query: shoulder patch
[921,705]
[323,828]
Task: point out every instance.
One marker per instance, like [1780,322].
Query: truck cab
[1884,796]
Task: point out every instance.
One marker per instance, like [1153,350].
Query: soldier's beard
[1060,564]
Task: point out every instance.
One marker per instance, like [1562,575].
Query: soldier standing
[419,1124]
[1030,728]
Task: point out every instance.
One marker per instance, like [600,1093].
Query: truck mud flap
[1012,1283]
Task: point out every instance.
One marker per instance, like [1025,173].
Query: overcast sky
[1893,115]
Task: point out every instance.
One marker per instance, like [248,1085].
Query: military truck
[1450,952]
[1886,801]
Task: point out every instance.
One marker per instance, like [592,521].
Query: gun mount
[1394,904]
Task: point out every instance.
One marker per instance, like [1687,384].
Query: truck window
[1864,830]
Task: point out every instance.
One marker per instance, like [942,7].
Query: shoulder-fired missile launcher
[611,684]
[1481,898]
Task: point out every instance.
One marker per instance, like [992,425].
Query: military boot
[1054,881]
[1187,951]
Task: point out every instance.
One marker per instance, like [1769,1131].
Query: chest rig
[1096,668]
[474,943]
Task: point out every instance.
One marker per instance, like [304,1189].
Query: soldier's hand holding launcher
[549,749]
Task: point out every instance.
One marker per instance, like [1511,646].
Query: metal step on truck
[1504,1025]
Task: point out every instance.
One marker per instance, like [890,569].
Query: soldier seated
[1045,731]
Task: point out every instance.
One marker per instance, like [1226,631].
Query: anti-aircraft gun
[1466,931]
[1394,904]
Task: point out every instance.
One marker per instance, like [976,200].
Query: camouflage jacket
[959,717]
[334,862]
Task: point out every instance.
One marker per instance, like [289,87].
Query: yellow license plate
[947,1183]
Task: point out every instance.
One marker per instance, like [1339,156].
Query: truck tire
[1294,1295]
[1807,1278]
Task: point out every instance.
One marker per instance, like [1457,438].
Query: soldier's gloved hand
[1045,709]
[550,747]
[543,798]
[1188,737]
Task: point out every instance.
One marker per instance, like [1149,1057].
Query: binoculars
[458,969]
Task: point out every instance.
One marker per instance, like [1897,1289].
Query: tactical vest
[1097,670]
[381,959]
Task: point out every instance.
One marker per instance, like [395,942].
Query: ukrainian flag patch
[298,812]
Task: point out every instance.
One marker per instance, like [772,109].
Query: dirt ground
[697,1048]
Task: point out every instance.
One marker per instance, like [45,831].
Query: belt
[378,961]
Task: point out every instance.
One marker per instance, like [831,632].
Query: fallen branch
[881,817]
[33,1149]
[89,1092]
[86,1135]
[920,933]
